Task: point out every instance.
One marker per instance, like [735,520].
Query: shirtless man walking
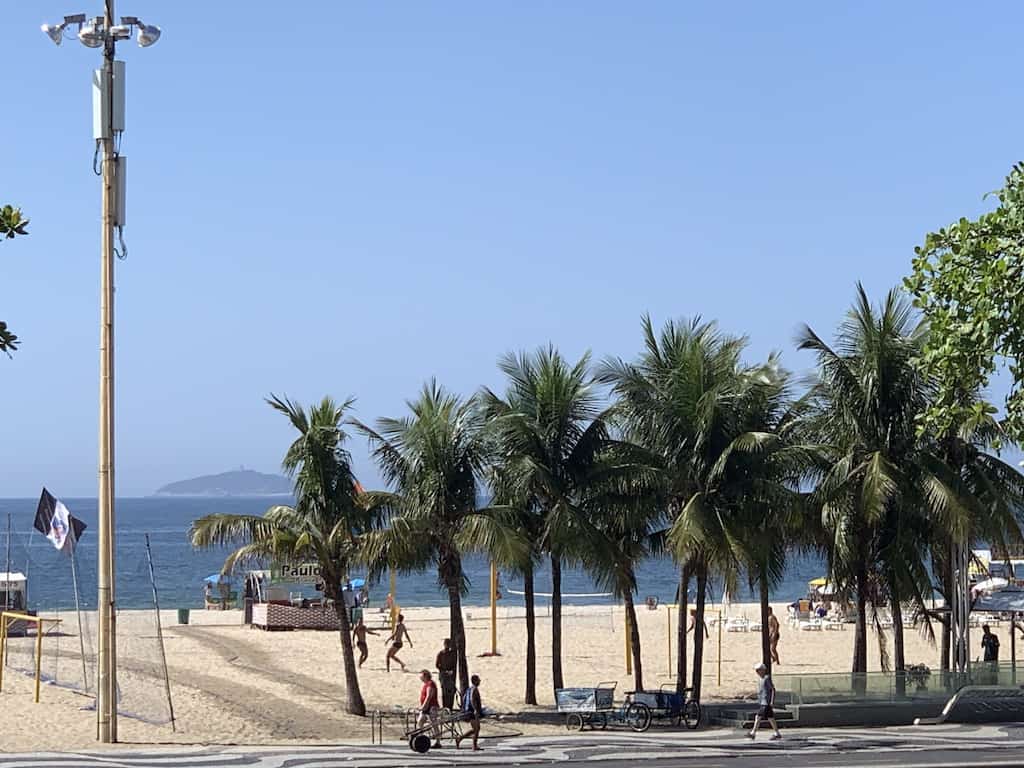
[773,635]
[359,635]
[395,638]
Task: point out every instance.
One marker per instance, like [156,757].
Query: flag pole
[7,589]
[78,612]
[160,633]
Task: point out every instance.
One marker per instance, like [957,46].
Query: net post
[39,655]
[160,634]
[3,647]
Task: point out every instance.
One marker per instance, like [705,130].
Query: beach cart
[665,703]
[421,738]
[595,708]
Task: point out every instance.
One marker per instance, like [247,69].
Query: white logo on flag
[59,525]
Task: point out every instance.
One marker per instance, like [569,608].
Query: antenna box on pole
[107,117]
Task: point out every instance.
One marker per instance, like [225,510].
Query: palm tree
[550,428]
[434,460]
[759,474]
[628,528]
[991,489]
[884,486]
[526,517]
[326,524]
[677,401]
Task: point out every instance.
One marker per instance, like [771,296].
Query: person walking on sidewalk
[766,700]
[428,706]
[473,711]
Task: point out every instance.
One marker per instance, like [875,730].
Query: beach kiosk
[287,598]
[14,598]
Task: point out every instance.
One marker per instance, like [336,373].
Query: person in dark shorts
[395,638]
[766,700]
[446,661]
[473,710]
[773,635]
[359,635]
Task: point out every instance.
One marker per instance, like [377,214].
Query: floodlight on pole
[54,31]
[108,127]
[148,34]
[92,34]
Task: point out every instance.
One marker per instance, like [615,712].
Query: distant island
[240,482]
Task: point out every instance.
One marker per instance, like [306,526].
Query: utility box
[120,189]
[107,108]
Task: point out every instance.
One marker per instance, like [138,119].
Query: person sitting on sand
[473,710]
[766,698]
[359,635]
[395,638]
[428,706]
[446,662]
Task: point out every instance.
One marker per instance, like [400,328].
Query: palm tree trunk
[354,704]
[634,642]
[450,573]
[556,622]
[681,625]
[766,642]
[458,631]
[945,654]
[896,611]
[698,628]
[531,636]
[860,633]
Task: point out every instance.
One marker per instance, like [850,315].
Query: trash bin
[183,615]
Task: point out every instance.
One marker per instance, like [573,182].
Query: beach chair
[812,625]
[737,625]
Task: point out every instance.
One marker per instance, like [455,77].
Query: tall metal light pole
[108,125]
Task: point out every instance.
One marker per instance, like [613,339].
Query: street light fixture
[108,126]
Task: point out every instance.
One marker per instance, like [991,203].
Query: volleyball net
[67,655]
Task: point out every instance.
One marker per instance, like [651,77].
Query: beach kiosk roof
[1002,601]
[14,577]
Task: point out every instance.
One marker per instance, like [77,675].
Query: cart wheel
[600,720]
[691,714]
[574,722]
[419,743]
[638,717]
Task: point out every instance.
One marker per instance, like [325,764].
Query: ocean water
[180,569]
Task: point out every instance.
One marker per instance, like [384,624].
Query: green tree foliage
[968,280]
[327,524]
[12,224]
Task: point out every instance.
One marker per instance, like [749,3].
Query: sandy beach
[232,684]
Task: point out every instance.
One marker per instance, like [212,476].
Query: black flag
[56,523]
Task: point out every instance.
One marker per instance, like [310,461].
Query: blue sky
[350,198]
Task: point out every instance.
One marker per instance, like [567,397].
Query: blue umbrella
[357,583]
[216,579]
